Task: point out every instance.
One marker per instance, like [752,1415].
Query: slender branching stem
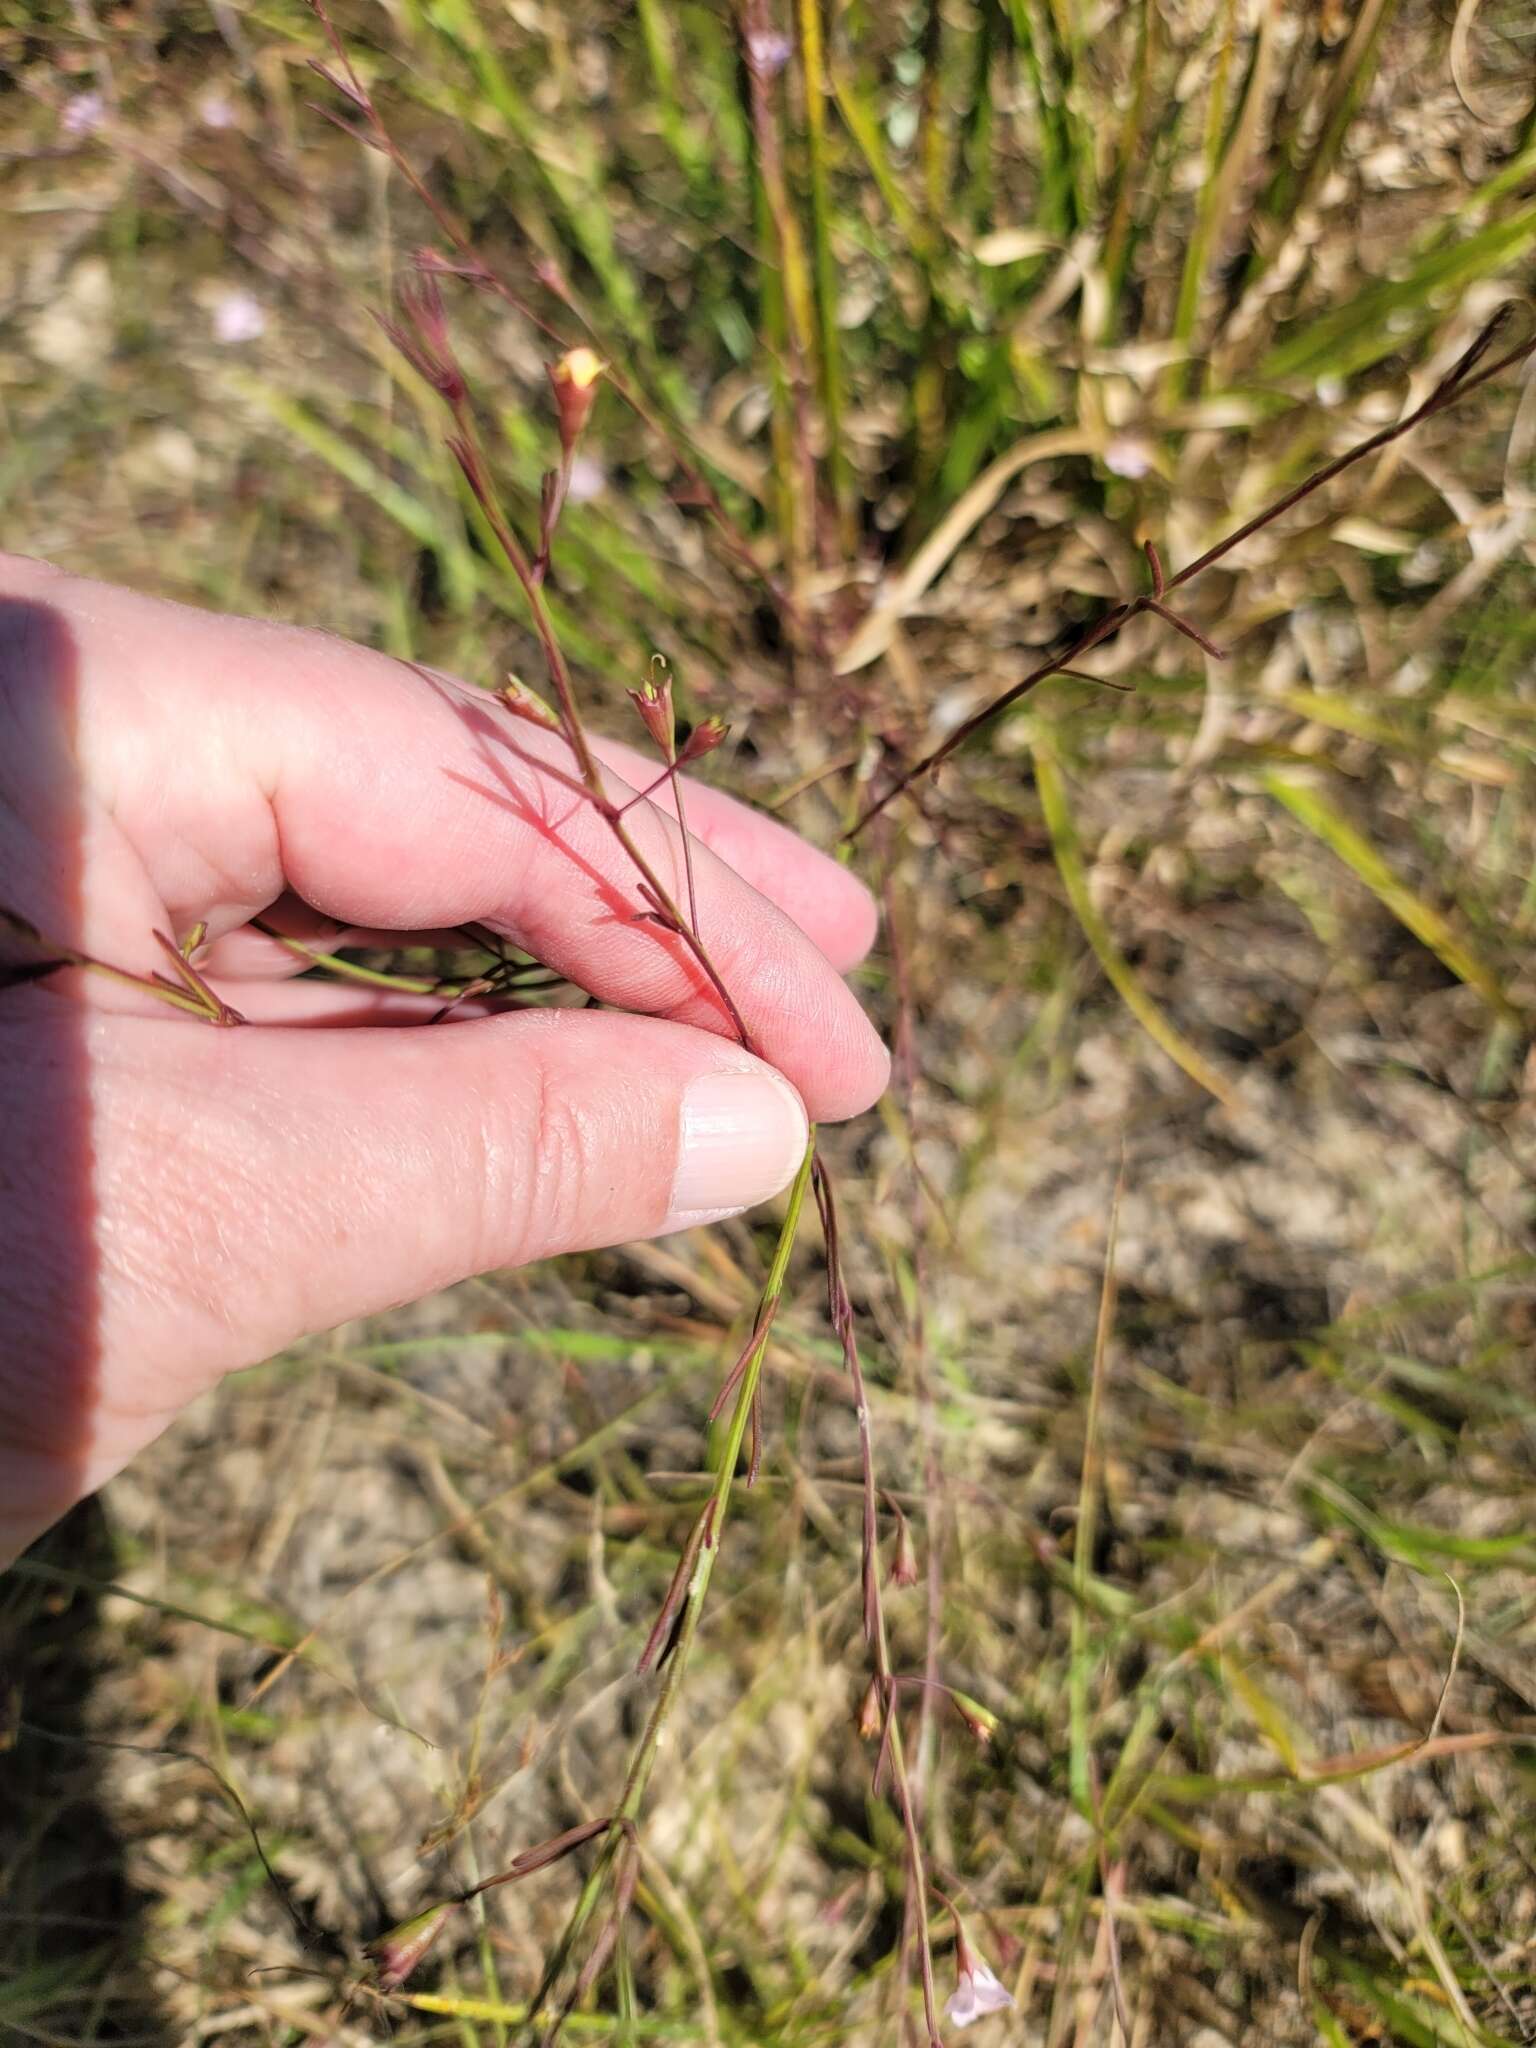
[891,1752]
[476,271]
[673,1639]
[467,452]
[1465,377]
[707,1550]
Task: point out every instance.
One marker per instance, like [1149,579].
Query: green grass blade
[1381,319]
[863,124]
[1299,176]
[1311,808]
[1117,969]
[833,381]
[1197,255]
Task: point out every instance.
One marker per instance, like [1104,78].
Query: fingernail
[742,1137]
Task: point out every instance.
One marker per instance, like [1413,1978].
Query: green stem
[350,970]
[813,66]
[643,1762]
[798,297]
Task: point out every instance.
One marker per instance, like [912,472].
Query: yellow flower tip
[581,367]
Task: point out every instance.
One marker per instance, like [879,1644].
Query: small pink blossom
[1127,455]
[215,111]
[83,113]
[768,51]
[238,316]
[586,481]
[977,1991]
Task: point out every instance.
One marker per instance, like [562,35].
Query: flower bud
[870,1715]
[768,51]
[424,339]
[396,1954]
[704,739]
[527,704]
[981,1721]
[653,701]
[574,380]
[904,1560]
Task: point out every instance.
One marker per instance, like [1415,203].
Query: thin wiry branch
[1469,372]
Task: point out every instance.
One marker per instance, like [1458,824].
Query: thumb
[255,1185]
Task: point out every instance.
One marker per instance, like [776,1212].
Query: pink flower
[768,51]
[1128,455]
[237,316]
[587,480]
[977,1991]
[83,113]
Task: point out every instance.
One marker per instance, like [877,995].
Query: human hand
[178,1200]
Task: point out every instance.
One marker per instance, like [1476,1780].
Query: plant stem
[874,1606]
[644,1759]
[795,284]
[477,271]
[813,75]
[1463,378]
[466,450]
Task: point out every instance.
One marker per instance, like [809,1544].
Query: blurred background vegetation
[978,296]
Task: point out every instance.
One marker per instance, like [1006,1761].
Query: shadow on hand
[70,1921]
[49,1314]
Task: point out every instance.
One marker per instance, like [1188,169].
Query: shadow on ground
[72,1924]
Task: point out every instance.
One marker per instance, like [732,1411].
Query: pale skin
[178,1201]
